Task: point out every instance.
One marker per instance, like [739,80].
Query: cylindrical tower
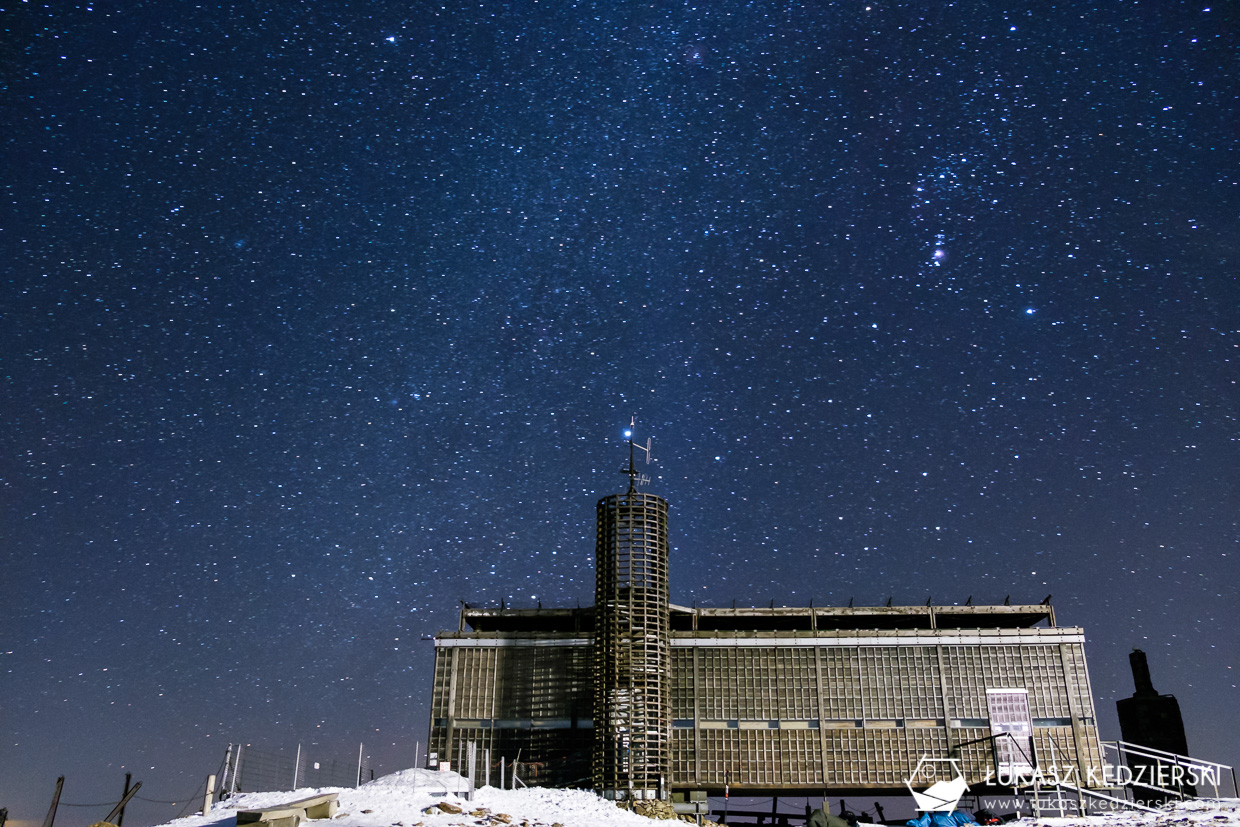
[632,657]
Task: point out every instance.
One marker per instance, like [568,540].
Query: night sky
[317,318]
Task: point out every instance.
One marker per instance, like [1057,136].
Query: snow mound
[411,798]
[420,779]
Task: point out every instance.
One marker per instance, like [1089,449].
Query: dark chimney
[1152,720]
[1141,675]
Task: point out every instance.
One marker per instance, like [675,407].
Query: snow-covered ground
[1225,813]
[398,800]
[401,799]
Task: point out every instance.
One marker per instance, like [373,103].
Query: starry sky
[317,318]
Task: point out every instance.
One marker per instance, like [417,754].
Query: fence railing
[247,769]
[1166,773]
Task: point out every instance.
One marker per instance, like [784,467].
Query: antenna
[635,478]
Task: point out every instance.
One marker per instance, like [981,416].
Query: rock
[504,817]
[367,811]
[480,812]
[662,810]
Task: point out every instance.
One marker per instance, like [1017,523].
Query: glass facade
[779,711]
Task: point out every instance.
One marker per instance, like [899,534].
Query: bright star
[1029,311]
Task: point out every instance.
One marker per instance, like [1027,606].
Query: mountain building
[637,697]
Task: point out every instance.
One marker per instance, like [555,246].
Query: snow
[398,800]
[1217,813]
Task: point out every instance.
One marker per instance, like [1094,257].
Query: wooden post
[51,813]
[109,818]
[120,819]
[206,799]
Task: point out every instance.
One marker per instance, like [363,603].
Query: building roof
[781,619]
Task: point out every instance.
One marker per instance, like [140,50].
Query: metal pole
[227,765]
[359,765]
[236,786]
[501,776]
[486,773]
[296,767]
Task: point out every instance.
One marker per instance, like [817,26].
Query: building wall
[860,716]
[759,711]
[526,700]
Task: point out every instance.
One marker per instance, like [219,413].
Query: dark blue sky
[317,318]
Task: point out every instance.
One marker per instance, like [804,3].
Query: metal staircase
[1144,776]
[1165,774]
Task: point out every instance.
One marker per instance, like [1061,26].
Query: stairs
[1165,776]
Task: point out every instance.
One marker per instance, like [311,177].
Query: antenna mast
[635,478]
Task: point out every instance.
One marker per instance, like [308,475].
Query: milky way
[317,320]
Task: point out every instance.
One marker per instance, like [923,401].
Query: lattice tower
[632,664]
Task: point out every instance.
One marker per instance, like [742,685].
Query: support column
[697,718]
[451,728]
[822,716]
[947,711]
[1074,710]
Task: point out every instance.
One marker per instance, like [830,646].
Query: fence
[247,769]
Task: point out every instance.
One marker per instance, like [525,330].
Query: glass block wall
[849,716]
[524,700]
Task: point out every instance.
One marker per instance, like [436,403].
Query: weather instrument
[636,478]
